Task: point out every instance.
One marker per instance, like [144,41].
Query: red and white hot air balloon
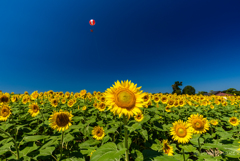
[92,22]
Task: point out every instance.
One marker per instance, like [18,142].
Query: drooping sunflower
[168,108]
[83,92]
[167,149]
[181,131]
[212,106]
[25,99]
[214,122]
[34,95]
[60,120]
[98,132]
[139,117]
[54,102]
[124,98]
[198,123]
[5,112]
[14,98]
[84,108]
[234,121]
[101,106]
[34,109]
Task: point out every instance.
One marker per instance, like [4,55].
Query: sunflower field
[121,124]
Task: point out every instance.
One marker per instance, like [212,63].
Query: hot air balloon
[92,22]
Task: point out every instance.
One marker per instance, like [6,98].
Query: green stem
[42,115]
[61,146]
[183,155]
[126,137]
[199,146]
[15,143]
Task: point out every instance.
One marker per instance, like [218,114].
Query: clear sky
[47,45]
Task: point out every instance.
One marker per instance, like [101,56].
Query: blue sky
[47,45]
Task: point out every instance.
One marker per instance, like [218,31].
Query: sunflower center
[35,108]
[198,124]
[99,132]
[125,99]
[233,121]
[166,148]
[181,132]
[4,99]
[5,112]
[62,120]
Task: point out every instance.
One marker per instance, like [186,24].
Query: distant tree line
[191,90]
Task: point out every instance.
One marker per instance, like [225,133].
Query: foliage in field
[119,124]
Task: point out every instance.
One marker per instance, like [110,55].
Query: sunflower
[83,108]
[181,131]
[5,112]
[101,106]
[171,102]
[63,101]
[14,98]
[95,104]
[124,98]
[70,103]
[34,109]
[168,108]
[214,122]
[25,99]
[102,99]
[181,102]
[83,92]
[212,106]
[164,99]
[176,103]
[4,99]
[98,132]
[198,123]
[60,120]
[139,117]
[167,149]
[34,95]
[146,98]
[234,121]
[54,102]
[156,99]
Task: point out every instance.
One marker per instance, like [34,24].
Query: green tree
[188,90]
[176,87]
[201,92]
[231,91]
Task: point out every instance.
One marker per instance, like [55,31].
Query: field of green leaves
[120,124]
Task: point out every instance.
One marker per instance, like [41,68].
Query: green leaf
[168,158]
[47,151]
[145,119]
[74,159]
[5,148]
[34,138]
[144,134]
[28,149]
[194,139]
[107,152]
[68,138]
[4,127]
[149,154]
[139,156]
[134,127]
[112,130]
[88,143]
[188,148]
[105,139]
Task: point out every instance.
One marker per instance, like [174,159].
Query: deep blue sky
[47,45]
